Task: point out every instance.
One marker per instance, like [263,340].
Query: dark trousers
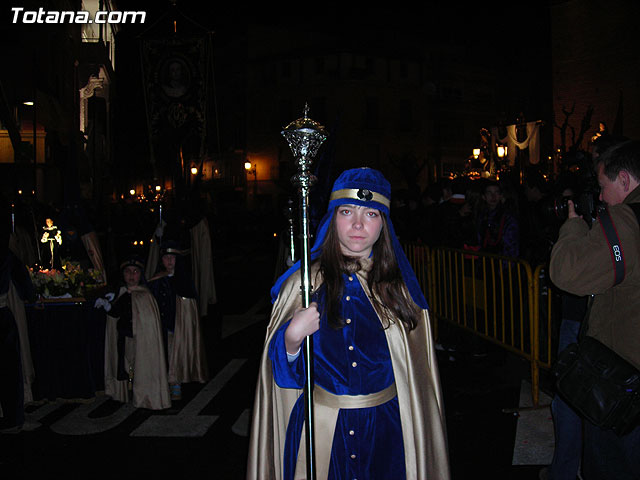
[567,424]
[11,386]
[610,457]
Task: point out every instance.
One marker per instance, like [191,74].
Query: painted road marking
[187,423]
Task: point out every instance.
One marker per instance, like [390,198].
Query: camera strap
[618,261]
[615,248]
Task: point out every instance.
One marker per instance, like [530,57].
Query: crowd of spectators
[515,216]
[505,216]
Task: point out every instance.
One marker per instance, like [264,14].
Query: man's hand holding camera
[571,210]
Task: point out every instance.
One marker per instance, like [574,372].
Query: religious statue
[53,237]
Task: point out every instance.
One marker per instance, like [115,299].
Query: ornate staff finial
[304,136]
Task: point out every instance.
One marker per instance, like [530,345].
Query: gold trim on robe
[419,397]
[326,410]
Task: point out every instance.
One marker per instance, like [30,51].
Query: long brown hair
[385,280]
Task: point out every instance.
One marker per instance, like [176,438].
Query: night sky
[490,28]
[512,37]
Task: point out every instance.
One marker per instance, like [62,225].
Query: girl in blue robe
[377,401]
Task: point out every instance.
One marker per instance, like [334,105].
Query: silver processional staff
[305,137]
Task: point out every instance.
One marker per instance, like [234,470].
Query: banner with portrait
[175,75]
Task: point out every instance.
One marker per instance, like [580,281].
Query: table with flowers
[66,333]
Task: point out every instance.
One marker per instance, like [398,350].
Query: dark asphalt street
[205,434]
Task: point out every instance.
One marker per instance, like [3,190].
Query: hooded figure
[15,288]
[377,397]
[135,360]
[176,295]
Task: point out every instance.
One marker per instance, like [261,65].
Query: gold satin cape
[202,266]
[145,351]
[185,346]
[187,354]
[417,382]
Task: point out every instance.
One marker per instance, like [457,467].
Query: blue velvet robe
[353,360]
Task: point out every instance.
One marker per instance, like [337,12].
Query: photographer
[567,423]
[581,263]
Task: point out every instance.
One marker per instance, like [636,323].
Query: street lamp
[476,153]
[501,150]
[254,171]
[249,169]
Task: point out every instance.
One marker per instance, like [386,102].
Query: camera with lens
[584,194]
[586,205]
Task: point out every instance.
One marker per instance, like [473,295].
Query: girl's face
[358,229]
[169,262]
[131,276]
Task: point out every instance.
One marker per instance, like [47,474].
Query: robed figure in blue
[377,397]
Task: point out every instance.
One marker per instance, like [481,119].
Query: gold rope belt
[322,397]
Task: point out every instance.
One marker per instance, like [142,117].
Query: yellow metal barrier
[495,297]
[420,258]
[547,294]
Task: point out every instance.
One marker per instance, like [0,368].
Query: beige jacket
[581,264]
